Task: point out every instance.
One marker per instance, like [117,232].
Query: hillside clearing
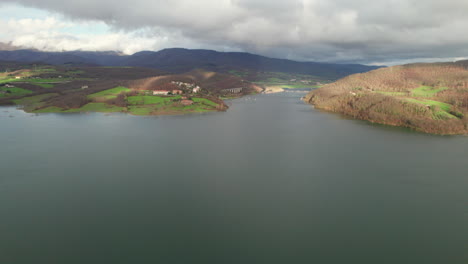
[427,91]
[13,91]
[109,94]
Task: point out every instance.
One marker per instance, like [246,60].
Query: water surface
[270,181]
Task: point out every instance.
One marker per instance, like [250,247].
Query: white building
[161,92]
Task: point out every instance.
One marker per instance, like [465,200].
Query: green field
[109,94]
[14,91]
[392,93]
[427,91]
[149,99]
[45,85]
[96,107]
[443,106]
[141,109]
[146,105]
[7,80]
[205,102]
[440,110]
[51,109]
[443,113]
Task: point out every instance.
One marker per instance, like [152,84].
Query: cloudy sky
[363,31]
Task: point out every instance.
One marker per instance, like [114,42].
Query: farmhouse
[177,91]
[161,92]
[196,89]
[84,87]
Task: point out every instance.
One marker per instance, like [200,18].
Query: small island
[430,98]
[137,91]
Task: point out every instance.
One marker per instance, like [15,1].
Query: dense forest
[431,98]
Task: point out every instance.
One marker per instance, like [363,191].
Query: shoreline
[415,129]
[9,109]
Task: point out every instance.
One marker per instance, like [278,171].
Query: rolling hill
[431,98]
[213,82]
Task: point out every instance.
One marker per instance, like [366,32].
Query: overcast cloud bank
[363,31]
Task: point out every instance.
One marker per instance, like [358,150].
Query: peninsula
[431,98]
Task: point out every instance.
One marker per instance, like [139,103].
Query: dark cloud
[362,31]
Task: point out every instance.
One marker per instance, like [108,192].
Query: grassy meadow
[109,94]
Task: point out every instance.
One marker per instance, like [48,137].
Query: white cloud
[50,34]
[323,30]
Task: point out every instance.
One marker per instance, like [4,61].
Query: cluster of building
[188,87]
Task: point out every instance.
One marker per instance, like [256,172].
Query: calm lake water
[270,181]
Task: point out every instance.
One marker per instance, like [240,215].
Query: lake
[271,180]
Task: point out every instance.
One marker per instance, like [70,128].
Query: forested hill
[183,60]
[432,98]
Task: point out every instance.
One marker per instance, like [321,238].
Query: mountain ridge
[179,60]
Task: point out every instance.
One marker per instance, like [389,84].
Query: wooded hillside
[431,98]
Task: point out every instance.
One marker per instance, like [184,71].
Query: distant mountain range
[179,60]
